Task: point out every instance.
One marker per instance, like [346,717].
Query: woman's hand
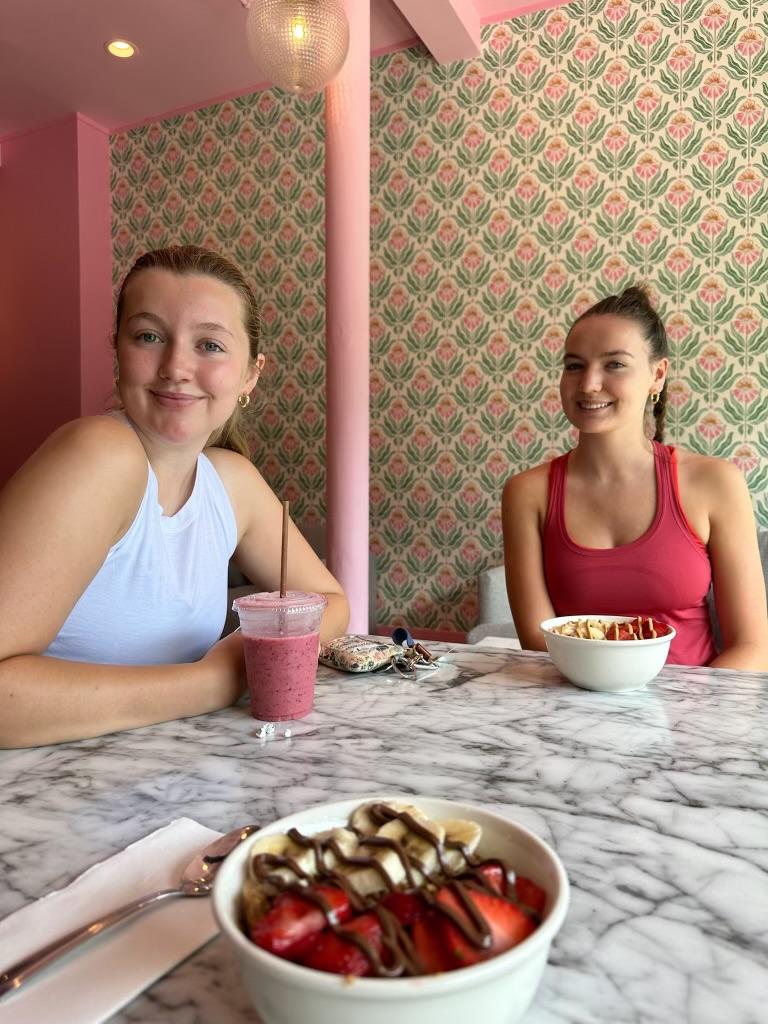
[224,668]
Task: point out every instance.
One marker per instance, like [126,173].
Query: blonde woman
[115,536]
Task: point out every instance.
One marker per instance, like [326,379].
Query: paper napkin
[95,980]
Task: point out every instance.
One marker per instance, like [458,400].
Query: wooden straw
[284,549]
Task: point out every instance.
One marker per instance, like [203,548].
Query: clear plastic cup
[281,636]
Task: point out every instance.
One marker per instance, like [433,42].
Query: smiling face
[183,355]
[607,374]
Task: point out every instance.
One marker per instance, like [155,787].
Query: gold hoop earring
[654,398]
[244,401]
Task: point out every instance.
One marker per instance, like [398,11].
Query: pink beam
[450,29]
[490,12]
[347,258]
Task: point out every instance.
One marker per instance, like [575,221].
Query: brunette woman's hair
[192,259]
[634,304]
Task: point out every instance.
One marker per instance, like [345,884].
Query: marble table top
[656,801]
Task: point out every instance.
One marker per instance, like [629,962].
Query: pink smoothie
[281,675]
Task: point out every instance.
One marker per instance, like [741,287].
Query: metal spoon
[196,880]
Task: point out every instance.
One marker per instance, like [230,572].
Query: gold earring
[244,401]
[654,397]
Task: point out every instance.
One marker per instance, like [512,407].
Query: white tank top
[160,597]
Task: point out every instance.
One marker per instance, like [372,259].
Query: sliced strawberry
[458,950]
[406,906]
[616,631]
[293,921]
[332,953]
[530,894]
[493,875]
[508,926]
[428,936]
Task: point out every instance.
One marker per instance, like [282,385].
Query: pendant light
[298,45]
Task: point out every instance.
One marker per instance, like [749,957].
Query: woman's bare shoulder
[235,470]
[713,489]
[97,432]
[250,494]
[698,470]
[94,451]
[96,464]
[530,485]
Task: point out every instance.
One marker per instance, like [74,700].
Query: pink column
[347,252]
[94,210]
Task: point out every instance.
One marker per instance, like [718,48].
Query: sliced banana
[467,833]
[362,822]
[369,879]
[390,868]
[347,842]
[282,846]
[420,851]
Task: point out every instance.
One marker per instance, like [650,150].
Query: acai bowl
[494,988]
[610,653]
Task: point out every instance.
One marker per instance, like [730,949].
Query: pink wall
[55,288]
[39,306]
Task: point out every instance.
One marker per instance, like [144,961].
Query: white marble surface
[656,801]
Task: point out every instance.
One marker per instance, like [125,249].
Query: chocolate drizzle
[400,957]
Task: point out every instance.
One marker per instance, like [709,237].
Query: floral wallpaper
[592,145]
[245,177]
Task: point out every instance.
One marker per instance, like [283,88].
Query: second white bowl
[607,665]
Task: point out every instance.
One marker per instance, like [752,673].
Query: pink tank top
[666,573]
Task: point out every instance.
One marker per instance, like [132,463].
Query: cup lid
[294,601]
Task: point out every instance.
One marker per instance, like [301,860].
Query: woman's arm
[48,700]
[739,585]
[522,506]
[260,525]
[59,516]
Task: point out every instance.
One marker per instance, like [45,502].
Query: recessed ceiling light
[120,48]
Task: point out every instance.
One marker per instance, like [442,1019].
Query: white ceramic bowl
[607,665]
[496,991]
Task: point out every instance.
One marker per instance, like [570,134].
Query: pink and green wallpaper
[596,144]
[245,177]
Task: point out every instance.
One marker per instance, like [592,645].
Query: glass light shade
[299,45]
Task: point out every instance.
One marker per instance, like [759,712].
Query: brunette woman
[623,523]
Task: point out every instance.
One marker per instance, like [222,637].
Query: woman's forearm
[335,617]
[746,656]
[48,700]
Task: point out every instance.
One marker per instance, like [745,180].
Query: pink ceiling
[191,52]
